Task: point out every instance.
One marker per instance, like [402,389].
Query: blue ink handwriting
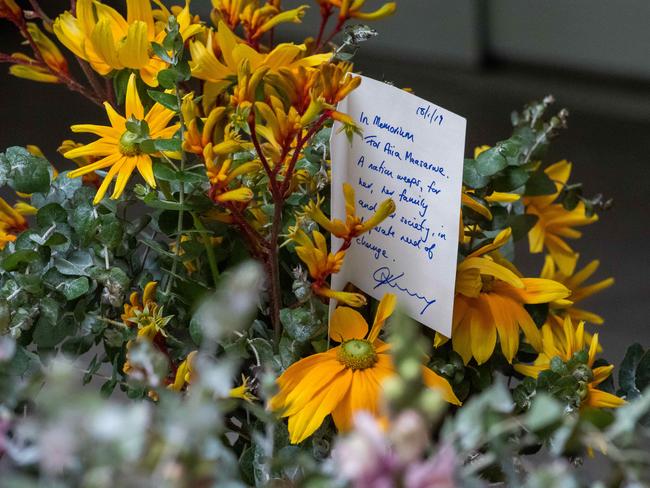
[383,276]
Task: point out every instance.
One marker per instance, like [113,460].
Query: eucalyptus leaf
[25,172]
[490,162]
[471,176]
[76,264]
[15,259]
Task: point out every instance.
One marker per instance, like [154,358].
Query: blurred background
[482,59]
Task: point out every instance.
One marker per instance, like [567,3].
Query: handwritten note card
[411,151]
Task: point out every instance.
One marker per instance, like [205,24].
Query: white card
[411,151]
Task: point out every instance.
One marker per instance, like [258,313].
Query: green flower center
[128,145]
[357,354]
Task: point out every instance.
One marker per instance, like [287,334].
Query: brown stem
[274,271]
[110,94]
[265,163]
[298,149]
[337,29]
[39,12]
[325,13]
[63,76]
[276,227]
[91,77]
[69,82]
[255,241]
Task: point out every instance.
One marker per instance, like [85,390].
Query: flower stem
[209,249]
[181,200]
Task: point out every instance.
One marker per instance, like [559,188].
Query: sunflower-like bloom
[579,292]
[117,148]
[321,264]
[100,35]
[560,309]
[555,222]
[12,220]
[354,225]
[573,342]
[232,51]
[54,60]
[346,379]
[352,9]
[490,298]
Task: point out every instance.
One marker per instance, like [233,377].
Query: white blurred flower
[57,447]
[409,435]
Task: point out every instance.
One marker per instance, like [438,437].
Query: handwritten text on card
[410,151]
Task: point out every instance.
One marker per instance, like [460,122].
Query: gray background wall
[482,59]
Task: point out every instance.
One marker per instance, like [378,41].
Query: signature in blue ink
[383,276]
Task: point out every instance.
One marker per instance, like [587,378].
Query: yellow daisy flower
[555,223]
[490,298]
[116,147]
[101,36]
[346,379]
[574,282]
[573,341]
[560,309]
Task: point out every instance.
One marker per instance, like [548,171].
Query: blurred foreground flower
[370,457]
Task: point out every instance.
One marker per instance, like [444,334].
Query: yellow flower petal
[134,51]
[305,422]
[347,324]
[384,310]
[133,104]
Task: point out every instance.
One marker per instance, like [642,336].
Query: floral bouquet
[164,305]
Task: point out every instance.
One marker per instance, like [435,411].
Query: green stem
[209,249]
[181,200]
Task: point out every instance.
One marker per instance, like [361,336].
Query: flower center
[487,283]
[357,354]
[128,144]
